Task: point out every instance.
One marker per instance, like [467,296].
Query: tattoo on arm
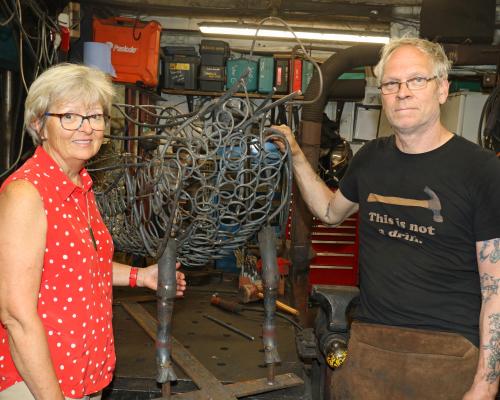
[493,361]
[488,253]
[489,286]
[495,254]
[327,214]
[482,253]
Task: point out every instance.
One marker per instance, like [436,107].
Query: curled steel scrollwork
[210,179]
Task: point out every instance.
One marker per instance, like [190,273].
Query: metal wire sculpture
[205,183]
[211,179]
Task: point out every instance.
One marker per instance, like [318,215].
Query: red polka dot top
[75,298]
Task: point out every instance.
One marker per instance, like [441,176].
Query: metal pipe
[167,288]
[267,245]
[347,90]
[230,327]
[336,65]
[6,119]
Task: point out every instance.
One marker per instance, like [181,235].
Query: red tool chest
[135,48]
[336,249]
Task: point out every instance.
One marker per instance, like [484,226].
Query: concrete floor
[227,355]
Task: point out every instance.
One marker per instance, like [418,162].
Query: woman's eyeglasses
[74,121]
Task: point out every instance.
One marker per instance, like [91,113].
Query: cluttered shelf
[189,92]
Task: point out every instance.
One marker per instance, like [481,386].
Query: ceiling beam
[290,10]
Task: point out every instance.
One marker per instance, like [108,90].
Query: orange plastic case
[135,47]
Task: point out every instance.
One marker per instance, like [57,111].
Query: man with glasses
[428,323]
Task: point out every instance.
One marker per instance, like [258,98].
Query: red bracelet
[132,279]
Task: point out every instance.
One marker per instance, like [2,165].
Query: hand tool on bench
[237,308]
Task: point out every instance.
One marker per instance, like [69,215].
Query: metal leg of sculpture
[267,245]
[167,287]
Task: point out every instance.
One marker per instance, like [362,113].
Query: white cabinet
[461,113]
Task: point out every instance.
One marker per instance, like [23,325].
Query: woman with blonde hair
[56,267]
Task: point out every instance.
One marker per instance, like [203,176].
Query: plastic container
[212,78]
[214,52]
[187,51]
[135,48]
[296,75]
[307,74]
[234,70]
[181,72]
[266,75]
[281,75]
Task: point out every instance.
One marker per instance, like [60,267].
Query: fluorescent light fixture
[231,29]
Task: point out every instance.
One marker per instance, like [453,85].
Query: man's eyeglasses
[73,121]
[417,83]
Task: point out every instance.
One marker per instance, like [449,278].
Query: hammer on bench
[432,204]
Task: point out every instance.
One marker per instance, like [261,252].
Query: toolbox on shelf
[134,45]
[212,78]
[214,52]
[181,73]
[307,74]
[235,68]
[181,51]
[266,75]
[281,73]
[296,75]
[180,68]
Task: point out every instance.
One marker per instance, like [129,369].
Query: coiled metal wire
[209,179]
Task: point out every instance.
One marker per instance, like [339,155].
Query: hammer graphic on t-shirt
[432,204]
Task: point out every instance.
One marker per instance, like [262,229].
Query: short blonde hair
[441,64]
[66,83]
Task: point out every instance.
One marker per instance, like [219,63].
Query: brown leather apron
[392,363]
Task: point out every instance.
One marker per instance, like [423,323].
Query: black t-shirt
[420,218]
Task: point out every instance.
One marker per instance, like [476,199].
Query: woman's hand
[148,277]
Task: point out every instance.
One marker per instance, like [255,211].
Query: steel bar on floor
[210,387]
[247,388]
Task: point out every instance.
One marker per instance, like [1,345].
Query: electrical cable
[31,46]
[21,67]
[310,59]
[19,155]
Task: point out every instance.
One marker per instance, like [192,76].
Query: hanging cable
[34,45]
[306,55]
